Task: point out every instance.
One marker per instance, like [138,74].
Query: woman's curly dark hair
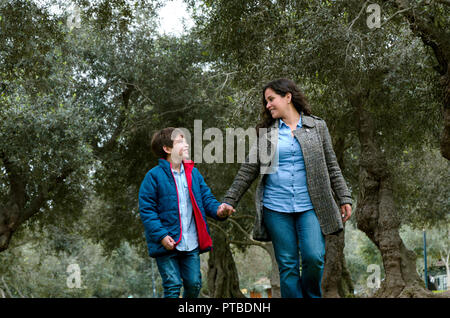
[283,86]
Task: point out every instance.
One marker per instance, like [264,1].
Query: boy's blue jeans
[180,269]
[291,232]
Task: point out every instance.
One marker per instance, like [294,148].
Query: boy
[173,203]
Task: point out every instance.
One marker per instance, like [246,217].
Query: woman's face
[277,104]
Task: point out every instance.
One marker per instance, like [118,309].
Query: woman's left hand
[346,212]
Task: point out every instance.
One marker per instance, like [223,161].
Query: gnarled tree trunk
[336,281]
[275,273]
[223,278]
[377,217]
[9,221]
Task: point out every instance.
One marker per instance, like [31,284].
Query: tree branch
[357,17]
[396,13]
[431,36]
[250,243]
[250,240]
[7,288]
[17,183]
[140,91]
[37,203]
[108,145]
[218,228]
[247,235]
[175,110]
[243,216]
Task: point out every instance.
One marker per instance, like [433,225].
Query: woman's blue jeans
[291,233]
[180,269]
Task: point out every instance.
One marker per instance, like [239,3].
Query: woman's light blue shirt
[286,190]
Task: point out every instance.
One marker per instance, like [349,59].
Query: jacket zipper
[195,205]
[178,202]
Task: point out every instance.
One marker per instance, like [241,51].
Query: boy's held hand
[168,243]
[225,210]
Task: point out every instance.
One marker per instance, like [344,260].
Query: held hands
[168,243]
[346,212]
[225,210]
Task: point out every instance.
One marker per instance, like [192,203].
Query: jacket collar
[188,166]
[308,121]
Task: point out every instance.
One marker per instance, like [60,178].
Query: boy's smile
[179,151]
[180,147]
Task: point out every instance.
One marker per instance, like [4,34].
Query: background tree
[429,21]
[78,107]
[165,82]
[43,154]
[352,73]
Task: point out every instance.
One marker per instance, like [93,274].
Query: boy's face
[180,149]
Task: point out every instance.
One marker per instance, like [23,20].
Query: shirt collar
[181,169]
[299,124]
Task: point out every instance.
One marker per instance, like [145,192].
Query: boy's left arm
[209,201]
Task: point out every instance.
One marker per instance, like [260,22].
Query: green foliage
[437,242]
[28,36]
[43,270]
[360,252]
[86,100]
[327,48]
[252,265]
[422,188]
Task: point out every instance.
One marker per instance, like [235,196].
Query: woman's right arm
[247,173]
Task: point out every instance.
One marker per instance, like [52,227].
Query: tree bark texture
[377,217]
[9,217]
[19,206]
[222,277]
[274,273]
[336,281]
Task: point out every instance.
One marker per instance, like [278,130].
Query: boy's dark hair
[164,137]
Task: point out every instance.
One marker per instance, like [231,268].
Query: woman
[295,207]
